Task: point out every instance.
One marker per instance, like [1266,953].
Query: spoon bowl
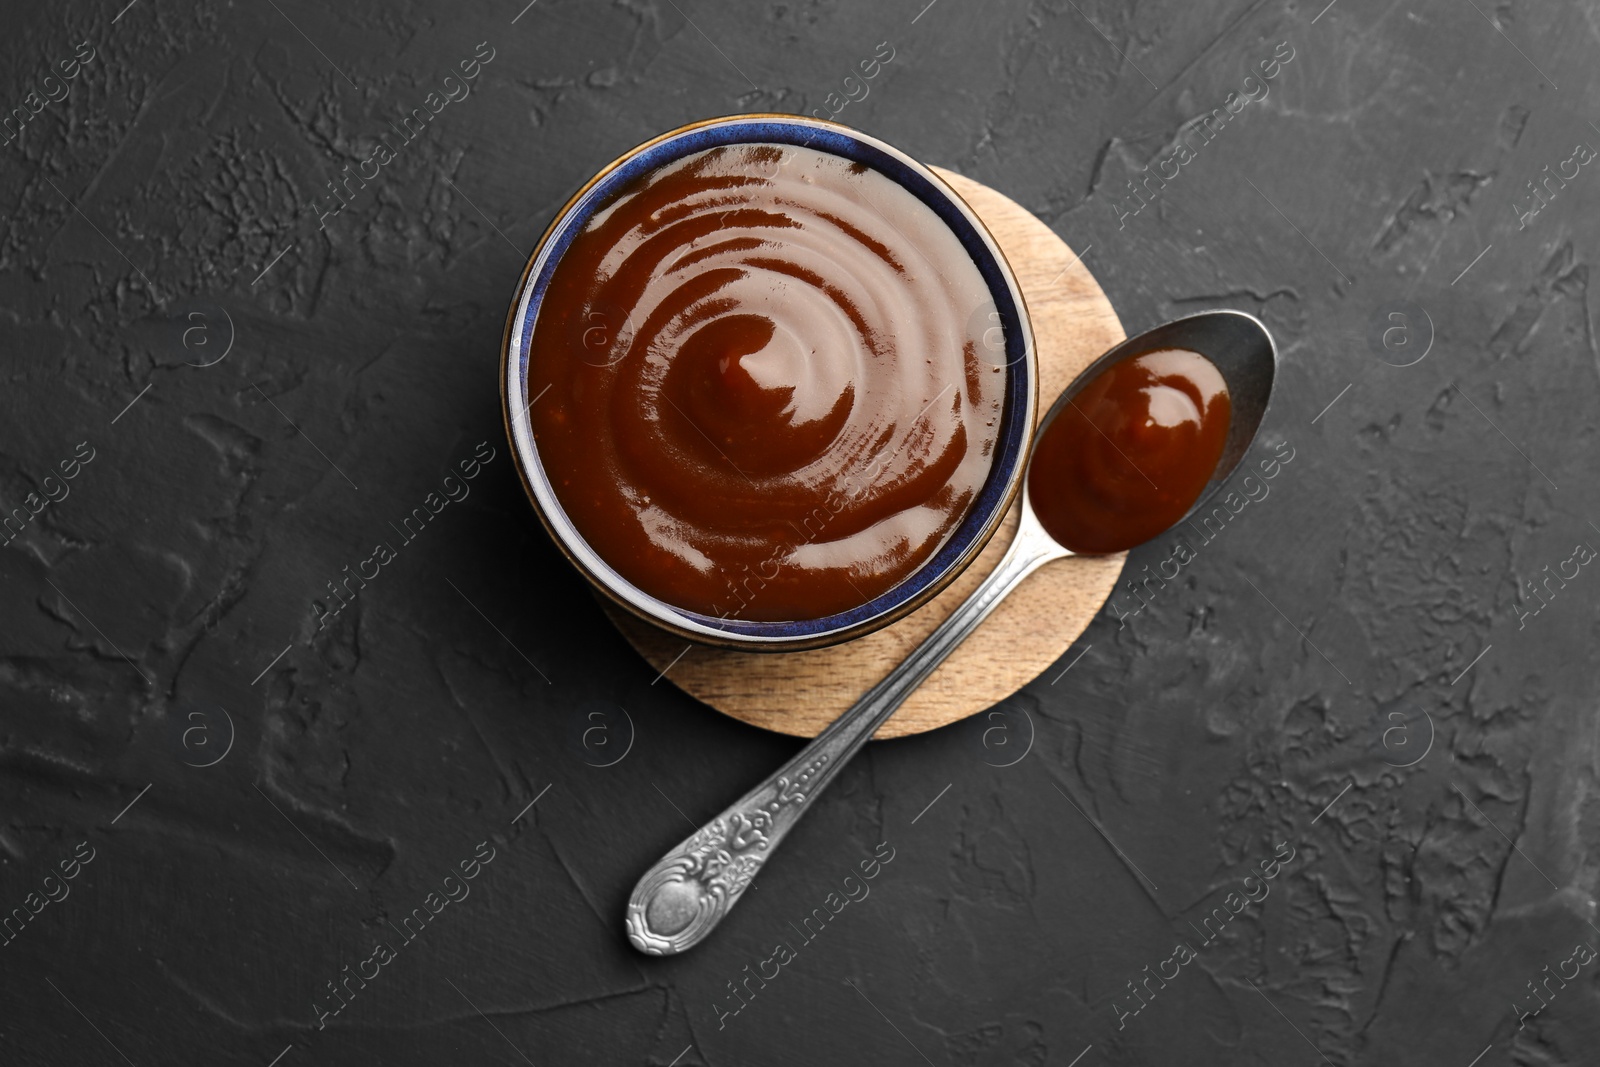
[683,897]
[1237,344]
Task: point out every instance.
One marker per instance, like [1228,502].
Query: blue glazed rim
[983,516]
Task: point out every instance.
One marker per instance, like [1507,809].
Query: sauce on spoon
[1132,452]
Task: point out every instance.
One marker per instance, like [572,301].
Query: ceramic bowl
[984,515]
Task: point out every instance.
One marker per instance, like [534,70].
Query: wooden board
[799,693]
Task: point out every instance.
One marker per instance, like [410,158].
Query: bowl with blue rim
[1007,347]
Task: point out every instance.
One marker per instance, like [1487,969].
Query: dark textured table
[1322,790]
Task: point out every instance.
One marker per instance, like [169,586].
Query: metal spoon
[679,900]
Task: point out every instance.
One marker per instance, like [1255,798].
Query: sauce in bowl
[759,383]
[1130,454]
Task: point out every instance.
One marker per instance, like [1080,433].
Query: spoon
[683,897]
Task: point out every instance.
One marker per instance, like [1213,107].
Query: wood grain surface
[799,693]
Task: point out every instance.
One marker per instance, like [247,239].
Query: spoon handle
[691,889]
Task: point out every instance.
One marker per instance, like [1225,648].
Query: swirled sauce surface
[1132,453]
[769,394]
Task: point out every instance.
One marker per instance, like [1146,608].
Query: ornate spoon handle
[679,900]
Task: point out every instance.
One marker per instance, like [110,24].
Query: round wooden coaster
[799,693]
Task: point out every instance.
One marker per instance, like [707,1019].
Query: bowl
[1019,391]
